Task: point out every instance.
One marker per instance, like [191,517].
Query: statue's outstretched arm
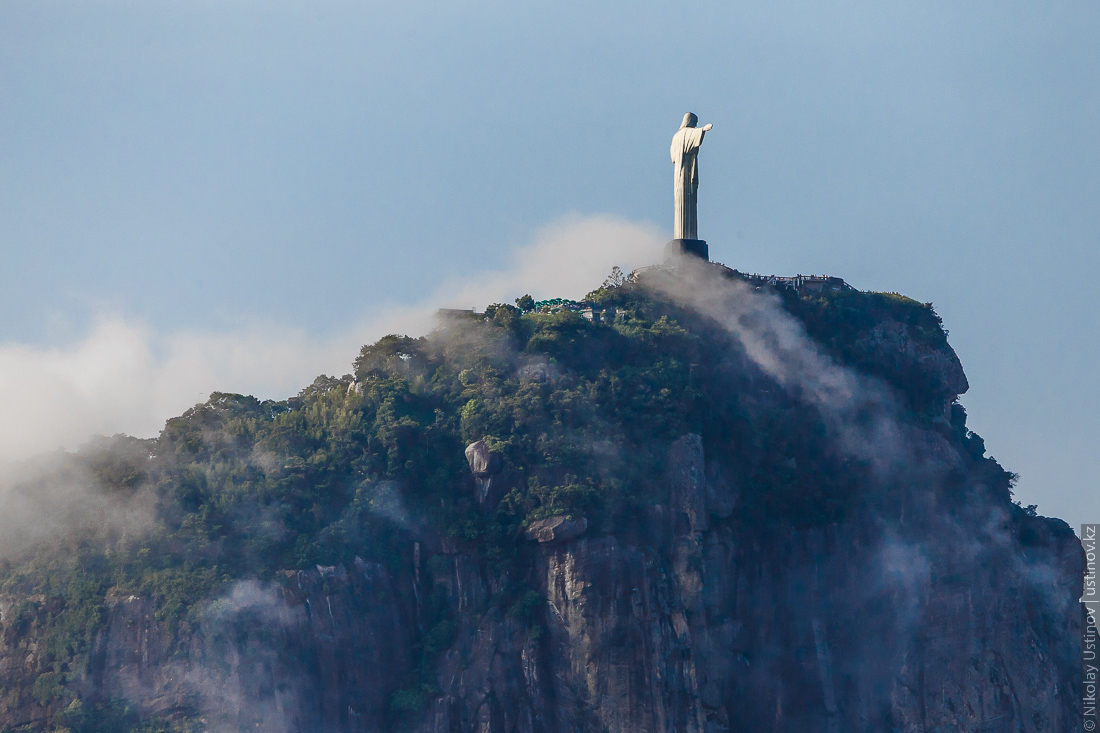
[707,127]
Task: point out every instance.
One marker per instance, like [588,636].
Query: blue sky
[234,194]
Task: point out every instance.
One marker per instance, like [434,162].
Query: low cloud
[56,496]
[125,377]
[860,411]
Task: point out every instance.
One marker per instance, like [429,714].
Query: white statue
[685,153]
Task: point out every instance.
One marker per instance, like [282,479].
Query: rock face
[827,630]
[894,345]
[840,629]
[322,650]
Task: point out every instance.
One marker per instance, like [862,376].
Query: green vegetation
[114,717]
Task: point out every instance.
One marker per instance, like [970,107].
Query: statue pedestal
[687,248]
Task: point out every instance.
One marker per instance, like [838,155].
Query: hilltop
[701,501]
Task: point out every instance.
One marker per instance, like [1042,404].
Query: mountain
[698,501]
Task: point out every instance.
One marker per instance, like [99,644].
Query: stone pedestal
[687,248]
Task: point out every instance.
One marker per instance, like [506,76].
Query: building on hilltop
[800,283]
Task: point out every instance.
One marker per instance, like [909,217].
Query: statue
[685,152]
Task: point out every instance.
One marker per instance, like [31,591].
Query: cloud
[567,259]
[125,377]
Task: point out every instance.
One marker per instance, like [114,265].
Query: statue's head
[690,120]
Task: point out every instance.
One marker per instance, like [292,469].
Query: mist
[864,420]
[97,494]
[860,411]
[125,377]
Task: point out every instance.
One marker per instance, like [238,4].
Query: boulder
[556,529]
[538,371]
[483,462]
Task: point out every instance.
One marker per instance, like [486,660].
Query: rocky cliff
[850,628]
[781,559]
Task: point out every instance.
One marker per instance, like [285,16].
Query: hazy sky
[235,194]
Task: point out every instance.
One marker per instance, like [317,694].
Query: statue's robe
[685,154]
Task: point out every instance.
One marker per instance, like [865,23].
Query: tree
[616,278]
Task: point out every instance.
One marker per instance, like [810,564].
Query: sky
[237,195]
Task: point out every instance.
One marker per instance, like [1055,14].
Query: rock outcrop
[484,465]
[556,529]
